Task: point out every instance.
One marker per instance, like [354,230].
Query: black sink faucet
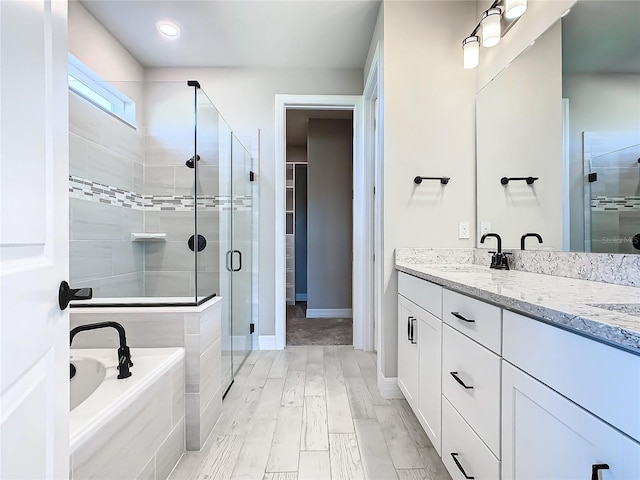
[124,356]
[529,235]
[498,259]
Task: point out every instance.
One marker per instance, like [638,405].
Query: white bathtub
[103,426]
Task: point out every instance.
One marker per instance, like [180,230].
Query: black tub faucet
[529,235]
[124,356]
[498,259]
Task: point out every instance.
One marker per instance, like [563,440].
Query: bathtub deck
[312,413]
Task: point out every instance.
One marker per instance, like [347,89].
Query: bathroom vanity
[519,375]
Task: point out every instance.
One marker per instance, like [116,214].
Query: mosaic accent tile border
[89,190]
[615,204]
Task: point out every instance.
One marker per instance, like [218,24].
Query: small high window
[88,84]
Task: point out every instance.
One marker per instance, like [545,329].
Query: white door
[408,351]
[544,435]
[430,380]
[34,334]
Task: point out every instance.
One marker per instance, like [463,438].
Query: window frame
[87,84]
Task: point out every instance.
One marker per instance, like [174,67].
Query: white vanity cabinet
[502,395]
[571,403]
[420,351]
[471,344]
[547,436]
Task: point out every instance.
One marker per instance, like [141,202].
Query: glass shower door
[213,219]
[241,256]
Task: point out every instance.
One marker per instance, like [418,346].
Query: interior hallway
[312,413]
[316,331]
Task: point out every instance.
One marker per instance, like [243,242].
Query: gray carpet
[316,331]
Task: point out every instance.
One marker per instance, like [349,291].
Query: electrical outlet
[485,227]
[463,229]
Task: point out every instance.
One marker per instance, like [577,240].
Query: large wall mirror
[558,136]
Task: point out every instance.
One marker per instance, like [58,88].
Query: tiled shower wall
[124,181]
[169,143]
[103,149]
[615,196]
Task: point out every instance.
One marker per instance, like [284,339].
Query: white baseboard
[267,342]
[301,297]
[329,313]
[388,387]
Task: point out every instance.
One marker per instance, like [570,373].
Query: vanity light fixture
[494,24]
[168,29]
[491,31]
[515,8]
[471,51]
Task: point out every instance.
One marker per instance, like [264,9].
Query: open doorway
[319,227]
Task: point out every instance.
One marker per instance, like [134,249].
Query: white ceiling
[243,33]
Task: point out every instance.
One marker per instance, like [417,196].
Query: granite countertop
[605,312]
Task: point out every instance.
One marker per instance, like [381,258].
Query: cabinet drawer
[422,293]
[547,436]
[474,457]
[476,319]
[602,379]
[478,400]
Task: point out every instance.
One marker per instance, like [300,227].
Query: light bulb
[491,31]
[168,29]
[515,8]
[471,51]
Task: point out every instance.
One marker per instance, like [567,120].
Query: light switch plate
[463,229]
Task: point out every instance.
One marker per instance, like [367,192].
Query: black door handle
[468,477]
[457,315]
[413,340]
[66,294]
[240,259]
[228,260]
[459,380]
[409,328]
[596,468]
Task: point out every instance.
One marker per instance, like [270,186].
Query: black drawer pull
[596,468]
[457,315]
[454,455]
[409,328]
[413,340]
[455,376]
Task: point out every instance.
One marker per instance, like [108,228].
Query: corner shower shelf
[148,237]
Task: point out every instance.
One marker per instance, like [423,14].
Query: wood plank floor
[308,413]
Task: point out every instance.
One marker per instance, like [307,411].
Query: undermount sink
[626,308]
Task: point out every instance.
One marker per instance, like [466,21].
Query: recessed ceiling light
[168,29]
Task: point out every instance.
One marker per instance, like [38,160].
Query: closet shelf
[148,237]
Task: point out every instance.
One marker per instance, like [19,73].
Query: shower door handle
[228,262]
[239,258]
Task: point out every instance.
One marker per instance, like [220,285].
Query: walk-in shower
[163,212]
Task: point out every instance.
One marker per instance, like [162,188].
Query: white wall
[376,39]
[246,99]
[597,103]
[519,134]
[91,43]
[429,129]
